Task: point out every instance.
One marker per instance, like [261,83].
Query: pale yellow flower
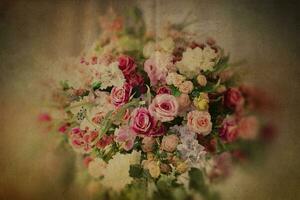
[201,102]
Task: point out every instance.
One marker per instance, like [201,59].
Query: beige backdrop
[36,35]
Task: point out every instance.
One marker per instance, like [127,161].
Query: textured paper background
[36,35]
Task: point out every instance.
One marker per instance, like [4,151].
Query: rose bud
[148,144]
[181,167]
[165,168]
[186,87]
[201,79]
[169,143]
[163,90]
[184,102]
[153,168]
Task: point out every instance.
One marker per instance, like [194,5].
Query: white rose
[96,167]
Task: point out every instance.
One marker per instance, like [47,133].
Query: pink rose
[234,99]
[157,67]
[126,137]
[120,95]
[229,130]
[199,122]
[163,90]
[164,107]
[248,128]
[126,64]
[141,121]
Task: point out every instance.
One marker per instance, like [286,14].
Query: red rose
[126,64]
[158,130]
[135,79]
[163,90]
[234,99]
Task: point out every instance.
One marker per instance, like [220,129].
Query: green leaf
[197,181]
[96,85]
[221,65]
[65,85]
[175,91]
[136,171]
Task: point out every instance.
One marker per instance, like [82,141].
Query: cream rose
[148,144]
[199,122]
[169,143]
[201,79]
[186,87]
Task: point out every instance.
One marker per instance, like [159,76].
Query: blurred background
[36,35]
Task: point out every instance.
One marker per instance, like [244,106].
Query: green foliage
[64,85]
[197,183]
[175,91]
[136,171]
[221,65]
[135,191]
[96,85]
[168,189]
[135,24]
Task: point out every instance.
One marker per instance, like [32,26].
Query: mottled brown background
[36,35]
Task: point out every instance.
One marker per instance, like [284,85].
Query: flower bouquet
[157,117]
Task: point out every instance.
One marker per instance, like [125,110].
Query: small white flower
[108,75]
[116,174]
[190,150]
[195,60]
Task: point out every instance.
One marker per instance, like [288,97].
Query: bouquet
[157,117]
